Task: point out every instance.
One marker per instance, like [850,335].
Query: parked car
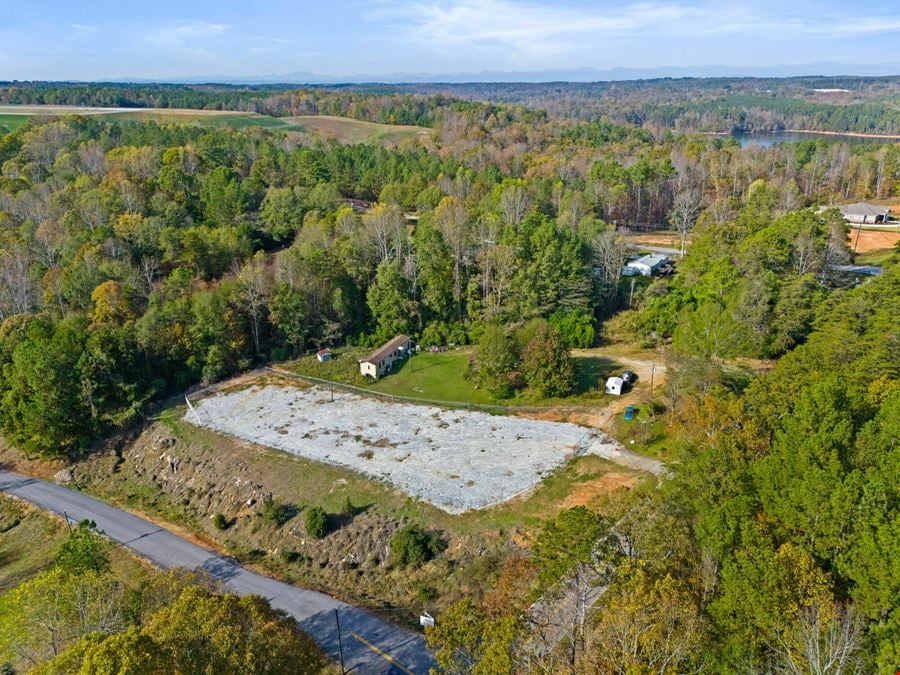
[630,377]
[629,413]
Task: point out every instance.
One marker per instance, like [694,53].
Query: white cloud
[83,28]
[530,30]
[184,34]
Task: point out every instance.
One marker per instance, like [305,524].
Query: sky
[158,39]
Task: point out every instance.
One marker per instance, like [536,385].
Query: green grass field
[442,377]
[10,122]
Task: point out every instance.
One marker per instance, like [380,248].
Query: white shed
[615,386]
[646,265]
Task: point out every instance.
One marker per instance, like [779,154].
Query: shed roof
[864,209]
[651,260]
[386,349]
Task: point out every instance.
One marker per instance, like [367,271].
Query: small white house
[646,265]
[383,358]
[323,355]
[615,386]
[862,213]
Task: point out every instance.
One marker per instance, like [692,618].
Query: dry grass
[351,131]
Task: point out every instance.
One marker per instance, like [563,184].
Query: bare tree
[386,225]
[148,270]
[92,158]
[17,291]
[821,641]
[452,220]
[514,204]
[608,255]
[683,215]
[255,283]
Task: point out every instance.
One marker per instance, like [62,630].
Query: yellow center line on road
[383,654]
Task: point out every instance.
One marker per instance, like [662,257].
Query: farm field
[351,131]
[11,121]
[456,460]
[14,116]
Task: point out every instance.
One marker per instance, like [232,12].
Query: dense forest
[138,259]
[839,104]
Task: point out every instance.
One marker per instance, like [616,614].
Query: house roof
[650,260]
[386,349]
[323,351]
[864,209]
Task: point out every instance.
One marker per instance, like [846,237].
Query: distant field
[350,131]
[12,117]
[11,122]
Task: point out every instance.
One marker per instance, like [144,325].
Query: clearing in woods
[456,460]
[350,131]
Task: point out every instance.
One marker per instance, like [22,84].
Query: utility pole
[652,373]
[68,524]
[856,241]
[337,619]
[631,294]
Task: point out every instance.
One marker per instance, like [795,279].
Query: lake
[766,139]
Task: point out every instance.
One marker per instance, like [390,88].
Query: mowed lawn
[352,131]
[442,377]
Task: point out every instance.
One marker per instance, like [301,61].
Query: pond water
[766,139]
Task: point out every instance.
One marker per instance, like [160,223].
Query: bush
[577,327]
[411,545]
[317,522]
[292,557]
[84,550]
[348,508]
[220,522]
[275,513]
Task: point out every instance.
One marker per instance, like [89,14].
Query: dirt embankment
[178,475]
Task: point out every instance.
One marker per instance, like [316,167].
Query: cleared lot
[456,460]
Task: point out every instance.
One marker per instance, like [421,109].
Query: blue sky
[73,39]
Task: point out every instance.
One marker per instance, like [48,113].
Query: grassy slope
[30,538]
[210,464]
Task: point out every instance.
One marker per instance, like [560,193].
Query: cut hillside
[176,472]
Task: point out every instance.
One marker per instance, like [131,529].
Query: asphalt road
[370,645]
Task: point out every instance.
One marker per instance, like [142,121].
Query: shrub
[348,509]
[292,556]
[577,327]
[317,522]
[220,522]
[84,550]
[274,512]
[411,545]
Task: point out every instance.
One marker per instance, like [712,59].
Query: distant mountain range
[827,69]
